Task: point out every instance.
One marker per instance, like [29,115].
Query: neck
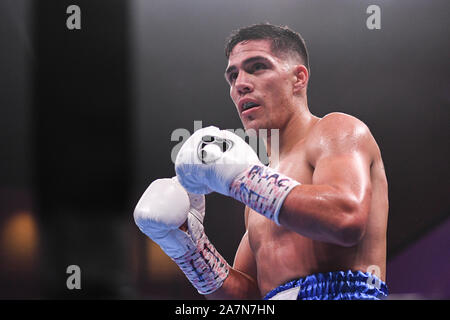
[294,130]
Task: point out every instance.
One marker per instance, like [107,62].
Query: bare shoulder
[336,125]
[340,133]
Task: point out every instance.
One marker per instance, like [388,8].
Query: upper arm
[342,154]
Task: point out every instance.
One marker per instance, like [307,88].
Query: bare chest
[262,230]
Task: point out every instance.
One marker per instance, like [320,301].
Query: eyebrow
[246,62]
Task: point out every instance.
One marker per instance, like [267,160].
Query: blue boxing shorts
[337,285]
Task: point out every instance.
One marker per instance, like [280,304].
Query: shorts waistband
[336,285]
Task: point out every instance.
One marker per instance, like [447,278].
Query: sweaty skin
[337,218]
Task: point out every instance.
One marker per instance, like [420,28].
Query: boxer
[315,219]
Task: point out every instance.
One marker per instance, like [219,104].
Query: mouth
[248,105]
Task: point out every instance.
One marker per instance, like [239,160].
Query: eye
[232,76]
[258,66]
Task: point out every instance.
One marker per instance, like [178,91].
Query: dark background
[86,118]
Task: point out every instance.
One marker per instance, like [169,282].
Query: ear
[301,78]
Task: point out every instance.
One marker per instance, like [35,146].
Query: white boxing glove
[161,211]
[221,161]
[210,160]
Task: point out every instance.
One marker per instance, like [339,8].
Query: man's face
[261,85]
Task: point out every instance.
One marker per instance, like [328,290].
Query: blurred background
[87,116]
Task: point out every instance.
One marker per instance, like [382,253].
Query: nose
[243,83]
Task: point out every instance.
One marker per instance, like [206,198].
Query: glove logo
[211,148]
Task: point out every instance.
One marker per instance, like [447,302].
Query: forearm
[323,213]
[237,286]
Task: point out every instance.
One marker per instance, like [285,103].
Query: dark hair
[284,39]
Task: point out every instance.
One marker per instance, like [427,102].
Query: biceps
[348,173]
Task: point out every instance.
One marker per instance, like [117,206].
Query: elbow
[351,234]
[351,228]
